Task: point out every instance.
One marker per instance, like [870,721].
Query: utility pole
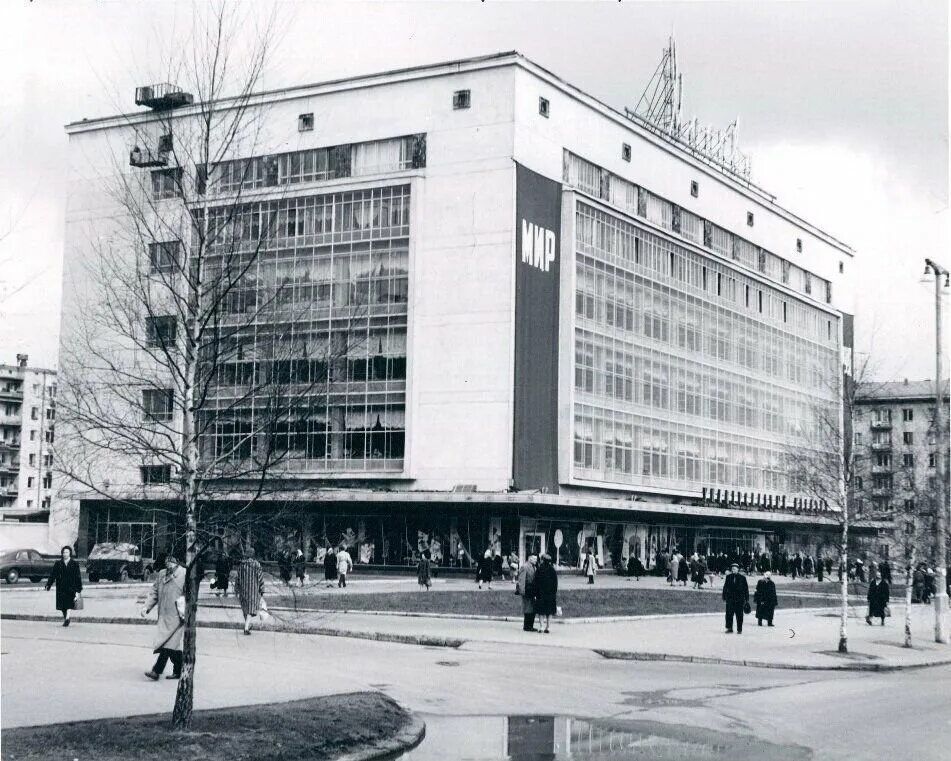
[941,507]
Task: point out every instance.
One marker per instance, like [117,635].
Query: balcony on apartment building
[881,446]
[881,425]
[11,395]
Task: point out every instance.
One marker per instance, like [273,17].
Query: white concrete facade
[461,303]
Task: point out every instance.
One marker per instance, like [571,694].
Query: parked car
[118,561]
[17,563]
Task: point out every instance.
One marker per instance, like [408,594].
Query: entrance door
[533,543]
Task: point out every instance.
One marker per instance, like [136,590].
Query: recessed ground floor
[393,531]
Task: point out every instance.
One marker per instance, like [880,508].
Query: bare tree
[184,375]
[824,465]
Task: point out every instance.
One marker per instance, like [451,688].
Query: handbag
[78,601]
[888,611]
[559,611]
[746,607]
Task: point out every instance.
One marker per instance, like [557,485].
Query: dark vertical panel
[537,275]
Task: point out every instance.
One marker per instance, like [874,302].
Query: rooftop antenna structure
[660,110]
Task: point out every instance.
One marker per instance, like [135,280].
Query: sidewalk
[801,639]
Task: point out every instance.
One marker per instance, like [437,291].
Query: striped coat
[250,586]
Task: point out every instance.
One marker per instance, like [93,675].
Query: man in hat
[168,593]
[736,595]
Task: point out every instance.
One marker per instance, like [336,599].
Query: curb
[402,639]
[408,738]
[620,655]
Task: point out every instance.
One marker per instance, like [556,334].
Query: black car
[30,563]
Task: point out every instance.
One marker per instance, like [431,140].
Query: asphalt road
[90,671]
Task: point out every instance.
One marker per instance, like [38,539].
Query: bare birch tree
[183,365]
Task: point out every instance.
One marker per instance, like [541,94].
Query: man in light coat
[525,587]
[344,565]
[168,593]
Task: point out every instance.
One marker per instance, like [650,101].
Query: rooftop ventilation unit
[162,97]
[464,488]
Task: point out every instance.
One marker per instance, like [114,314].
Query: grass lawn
[576,603]
[316,728]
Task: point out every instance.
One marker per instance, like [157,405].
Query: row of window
[637,201]
[311,165]
[617,242]
[884,460]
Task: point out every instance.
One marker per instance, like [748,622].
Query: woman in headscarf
[250,587]
[546,590]
[484,569]
[424,570]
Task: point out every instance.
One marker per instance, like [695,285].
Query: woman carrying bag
[69,584]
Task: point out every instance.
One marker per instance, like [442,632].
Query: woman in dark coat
[546,590]
[878,595]
[484,569]
[330,565]
[69,583]
[683,571]
[222,573]
[765,599]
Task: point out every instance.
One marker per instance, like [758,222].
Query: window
[799,245]
[543,107]
[47,501]
[908,438]
[932,460]
[48,435]
[883,459]
[160,331]
[164,256]
[166,183]
[48,481]
[32,460]
[841,267]
[47,461]
[749,219]
[461,99]
[157,403]
[156,474]
[694,188]
[29,482]
[625,151]
[882,415]
[34,413]
[305,122]
[882,481]
[907,415]
[33,435]
[858,483]
[50,413]
[908,460]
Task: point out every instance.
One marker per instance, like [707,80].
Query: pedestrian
[284,567]
[878,595]
[330,567]
[930,586]
[484,569]
[590,566]
[497,568]
[635,567]
[69,583]
[168,593]
[513,566]
[344,566]
[525,588]
[736,595]
[300,567]
[860,570]
[424,570]
[820,567]
[674,568]
[249,586]
[807,566]
[222,574]
[918,585]
[546,590]
[886,571]
[765,599]
[682,570]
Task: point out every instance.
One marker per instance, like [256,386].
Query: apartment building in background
[27,429]
[574,331]
[897,452]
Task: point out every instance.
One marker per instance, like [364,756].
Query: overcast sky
[843,107]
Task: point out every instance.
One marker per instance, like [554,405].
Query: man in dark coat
[886,571]
[878,595]
[820,568]
[69,582]
[330,566]
[765,599]
[736,595]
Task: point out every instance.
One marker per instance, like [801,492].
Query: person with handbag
[168,594]
[878,596]
[69,584]
[249,587]
[736,595]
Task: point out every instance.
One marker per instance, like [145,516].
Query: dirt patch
[324,727]
[576,603]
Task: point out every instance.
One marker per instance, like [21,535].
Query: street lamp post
[941,508]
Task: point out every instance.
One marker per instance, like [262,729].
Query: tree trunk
[909,571]
[844,588]
[185,695]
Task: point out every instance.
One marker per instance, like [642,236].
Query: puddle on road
[565,738]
